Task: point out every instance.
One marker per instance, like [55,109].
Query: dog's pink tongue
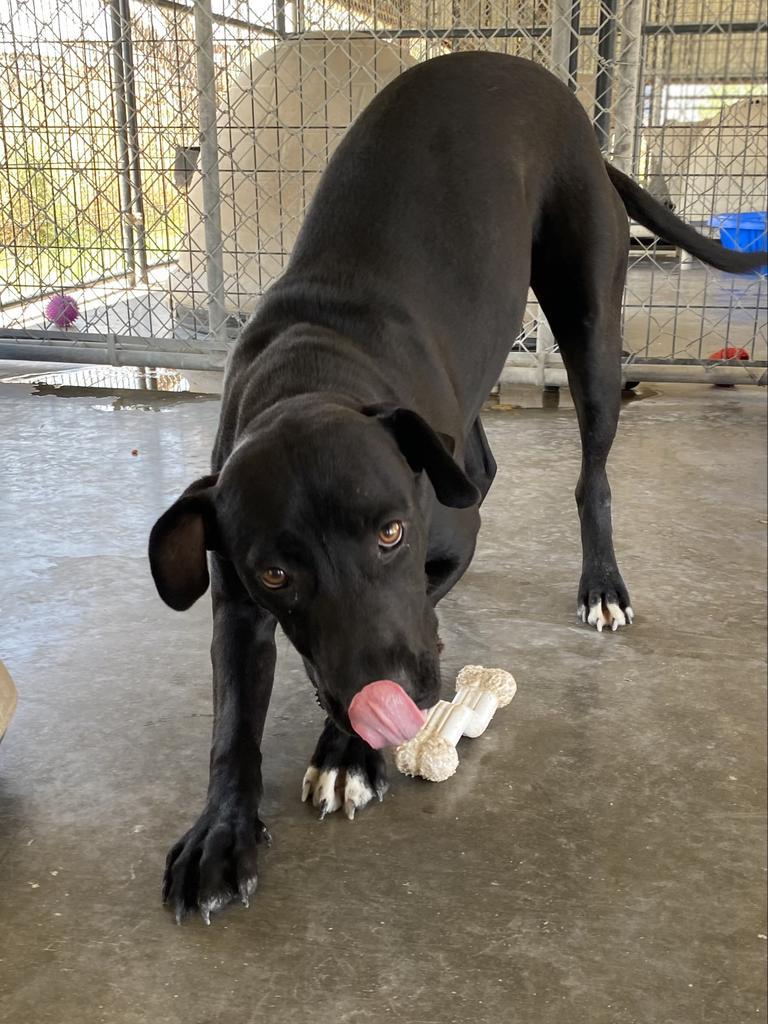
[384,715]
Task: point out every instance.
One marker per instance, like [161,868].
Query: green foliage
[60,218]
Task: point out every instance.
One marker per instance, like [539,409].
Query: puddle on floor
[116,399]
[126,387]
[555,399]
[113,378]
[116,388]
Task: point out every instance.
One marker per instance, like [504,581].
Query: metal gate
[156,158]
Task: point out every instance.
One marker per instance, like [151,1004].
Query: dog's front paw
[214,863]
[604,602]
[344,772]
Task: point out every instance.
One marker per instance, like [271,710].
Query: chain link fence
[156,159]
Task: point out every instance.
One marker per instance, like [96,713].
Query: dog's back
[431,203]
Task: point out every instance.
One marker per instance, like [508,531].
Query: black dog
[351,462]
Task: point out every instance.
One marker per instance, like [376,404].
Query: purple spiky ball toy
[62,311]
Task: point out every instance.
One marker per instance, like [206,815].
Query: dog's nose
[384,715]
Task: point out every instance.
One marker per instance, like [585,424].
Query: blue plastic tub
[743,231]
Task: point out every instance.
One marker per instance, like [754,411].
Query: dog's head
[322,511]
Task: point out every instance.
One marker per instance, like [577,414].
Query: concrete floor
[598,858]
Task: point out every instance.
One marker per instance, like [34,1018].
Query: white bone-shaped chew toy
[432,751]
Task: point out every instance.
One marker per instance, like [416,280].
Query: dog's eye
[274,578]
[391,534]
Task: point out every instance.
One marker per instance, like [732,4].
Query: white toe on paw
[325,796]
[581,613]
[597,617]
[309,782]
[617,616]
[213,904]
[247,889]
[357,792]
[334,788]
[630,615]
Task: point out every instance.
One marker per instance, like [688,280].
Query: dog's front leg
[216,860]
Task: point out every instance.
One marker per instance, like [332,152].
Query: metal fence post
[606,54]
[123,151]
[573,57]
[134,145]
[562,43]
[280,17]
[209,167]
[560,64]
[628,85]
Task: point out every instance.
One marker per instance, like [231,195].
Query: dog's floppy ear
[178,544]
[425,449]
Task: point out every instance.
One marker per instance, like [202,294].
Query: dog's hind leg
[578,274]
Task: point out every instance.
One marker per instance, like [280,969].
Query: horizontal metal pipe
[503,32]
[533,32]
[699,27]
[45,337]
[219,19]
[650,361]
[103,356]
[513,373]
[555,360]
[714,374]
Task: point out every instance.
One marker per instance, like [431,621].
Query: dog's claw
[345,774]
[618,618]
[246,889]
[217,865]
[605,611]
[308,783]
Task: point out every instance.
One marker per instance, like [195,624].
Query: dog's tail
[642,207]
